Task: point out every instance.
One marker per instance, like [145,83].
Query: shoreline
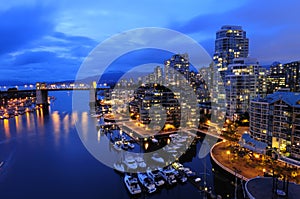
[224,167]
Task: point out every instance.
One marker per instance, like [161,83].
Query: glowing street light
[228,153]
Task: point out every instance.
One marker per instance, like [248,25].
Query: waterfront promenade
[250,165]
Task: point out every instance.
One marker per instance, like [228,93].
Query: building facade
[243,82]
[276,78]
[231,42]
[276,121]
[177,70]
[292,77]
[155,105]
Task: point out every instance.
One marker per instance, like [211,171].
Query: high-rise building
[177,69]
[242,83]
[292,75]
[277,77]
[158,75]
[231,42]
[275,120]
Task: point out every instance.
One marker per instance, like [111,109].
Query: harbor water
[44,157]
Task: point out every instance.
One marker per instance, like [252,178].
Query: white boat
[140,161]
[130,162]
[132,184]
[177,166]
[157,158]
[157,177]
[168,176]
[128,144]
[118,145]
[124,145]
[147,182]
[190,174]
[188,171]
[180,176]
[131,145]
[119,167]
[154,140]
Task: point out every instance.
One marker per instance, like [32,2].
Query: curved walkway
[250,165]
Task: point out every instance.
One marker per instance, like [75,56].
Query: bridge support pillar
[41,94]
[93,98]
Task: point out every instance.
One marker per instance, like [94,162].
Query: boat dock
[140,133]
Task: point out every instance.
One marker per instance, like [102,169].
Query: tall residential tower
[231,42]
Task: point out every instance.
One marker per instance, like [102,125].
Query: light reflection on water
[18,121]
[66,123]
[84,125]
[51,158]
[6,129]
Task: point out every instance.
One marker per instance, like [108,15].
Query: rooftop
[261,187]
[291,98]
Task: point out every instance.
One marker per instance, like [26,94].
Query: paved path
[250,167]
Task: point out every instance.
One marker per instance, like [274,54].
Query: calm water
[45,158]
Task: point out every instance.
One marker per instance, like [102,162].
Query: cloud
[55,56]
[21,25]
[271,27]
[34,57]
[50,39]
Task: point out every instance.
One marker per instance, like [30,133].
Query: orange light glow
[6,128]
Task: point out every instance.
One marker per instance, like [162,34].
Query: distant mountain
[108,77]
[11,83]
[112,77]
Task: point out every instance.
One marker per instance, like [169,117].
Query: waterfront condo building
[275,120]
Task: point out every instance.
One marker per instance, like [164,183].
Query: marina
[156,177]
[39,137]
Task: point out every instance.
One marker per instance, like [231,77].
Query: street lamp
[228,153]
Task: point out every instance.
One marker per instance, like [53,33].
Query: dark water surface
[45,158]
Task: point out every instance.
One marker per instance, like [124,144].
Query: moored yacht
[147,182]
[140,162]
[168,176]
[132,184]
[157,158]
[130,162]
[119,167]
[118,145]
[157,177]
[180,176]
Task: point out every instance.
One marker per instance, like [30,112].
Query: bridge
[41,92]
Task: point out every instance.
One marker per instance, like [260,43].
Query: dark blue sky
[48,40]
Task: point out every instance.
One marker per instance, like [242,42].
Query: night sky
[47,40]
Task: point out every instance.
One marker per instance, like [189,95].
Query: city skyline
[52,39]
